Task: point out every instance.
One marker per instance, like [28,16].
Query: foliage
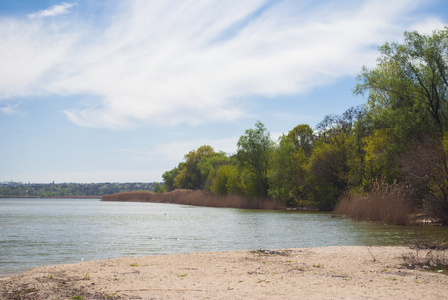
[287,176]
[302,136]
[158,188]
[189,175]
[411,78]
[327,168]
[254,150]
[208,165]
[227,181]
[168,179]
[407,103]
[378,159]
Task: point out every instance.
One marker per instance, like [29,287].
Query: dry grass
[386,203]
[432,256]
[196,198]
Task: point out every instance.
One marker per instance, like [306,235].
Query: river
[37,232]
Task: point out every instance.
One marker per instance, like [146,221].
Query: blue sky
[119,91]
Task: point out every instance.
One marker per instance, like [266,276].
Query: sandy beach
[308,273]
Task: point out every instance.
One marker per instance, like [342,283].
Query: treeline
[398,137]
[17,189]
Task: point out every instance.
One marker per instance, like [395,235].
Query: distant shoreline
[54,197]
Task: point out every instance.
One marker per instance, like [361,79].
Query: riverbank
[53,197]
[307,273]
[196,198]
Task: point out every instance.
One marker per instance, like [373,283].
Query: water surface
[39,232]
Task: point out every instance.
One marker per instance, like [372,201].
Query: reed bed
[386,203]
[196,198]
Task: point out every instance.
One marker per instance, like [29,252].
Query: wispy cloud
[170,62]
[11,110]
[53,11]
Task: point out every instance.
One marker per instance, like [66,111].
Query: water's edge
[39,232]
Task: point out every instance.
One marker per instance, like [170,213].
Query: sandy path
[308,273]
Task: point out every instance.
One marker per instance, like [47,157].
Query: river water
[37,232]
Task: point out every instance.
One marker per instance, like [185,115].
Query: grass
[86,275]
[196,198]
[386,203]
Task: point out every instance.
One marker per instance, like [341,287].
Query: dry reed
[196,198]
[386,203]
[428,256]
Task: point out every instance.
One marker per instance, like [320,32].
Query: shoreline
[338,272]
[54,197]
[196,198]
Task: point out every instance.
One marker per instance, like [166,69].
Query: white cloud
[427,26]
[12,109]
[53,11]
[171,62]
[9,109]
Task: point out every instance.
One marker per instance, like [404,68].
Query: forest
[387,155]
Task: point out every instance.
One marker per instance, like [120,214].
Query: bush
[386,203]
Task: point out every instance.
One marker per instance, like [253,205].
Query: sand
[307,273]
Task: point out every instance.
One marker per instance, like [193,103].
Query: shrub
[386,203]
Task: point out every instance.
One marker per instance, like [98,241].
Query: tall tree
[303,136]
[328,170]
[189,176]
[408,100]
[287,175]
[208,165]
[409,86]
[254,150]
[168,179]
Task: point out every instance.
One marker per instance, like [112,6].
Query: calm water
[38,232]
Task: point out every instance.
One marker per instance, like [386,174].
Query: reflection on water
[56,231]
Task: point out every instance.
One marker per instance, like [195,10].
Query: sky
[120,90]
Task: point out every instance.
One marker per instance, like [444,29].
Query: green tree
[189,175]
[226,180]
[158,188]
[408,89]
[254,150]
[328,171]
[287,173]
[208,165]
[168,179]
[408,99]
[302,137]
